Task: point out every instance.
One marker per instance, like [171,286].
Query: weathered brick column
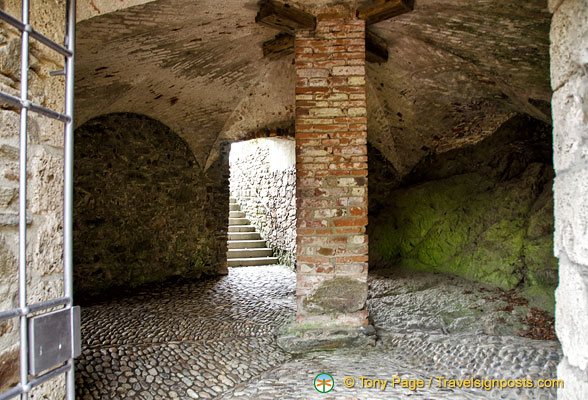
[331,163]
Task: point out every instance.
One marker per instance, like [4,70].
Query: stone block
[47,182]
[340,294]
[47,245]
[300,339]
[571,215]
[570,115]
[8,260]
[569,34]
[571,310]
[575,382]
[10,58]
[9,123]
[9,369]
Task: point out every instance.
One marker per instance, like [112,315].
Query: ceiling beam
[376,48]
[381,10]
[281,45]
[284,17]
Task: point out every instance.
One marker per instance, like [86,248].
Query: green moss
[473,227]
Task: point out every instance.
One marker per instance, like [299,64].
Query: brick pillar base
[331,164]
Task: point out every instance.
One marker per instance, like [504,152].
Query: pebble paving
[216,338]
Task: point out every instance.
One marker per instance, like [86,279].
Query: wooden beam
[376,48]
[381,10]
[284,17]
[281,45]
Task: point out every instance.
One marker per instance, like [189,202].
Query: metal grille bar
[34,34]
[18,389]
[16,102]
[22,237]
[24,311]
[17,312]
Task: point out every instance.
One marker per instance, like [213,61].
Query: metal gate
[49,341]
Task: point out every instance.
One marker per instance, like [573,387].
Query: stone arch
[144,211]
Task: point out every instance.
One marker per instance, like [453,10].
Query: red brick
[351,89]
[346,71]
[338,173]
[350,150]
[311,73]
[350,230]
[328,63]
[305,231]
[329,127]
[351,201]
[311,135]
[313,203]
[311,223]
[351,120]
[335,56]
[326,251]
[358,211]
[352,259]
[316,260]
[309,182]
[323,269]
[313,57]
[350,134]
[324,231]
[340,222]
[311,90]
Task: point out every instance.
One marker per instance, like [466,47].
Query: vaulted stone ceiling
[457,69]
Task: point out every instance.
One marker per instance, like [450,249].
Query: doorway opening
[262,220]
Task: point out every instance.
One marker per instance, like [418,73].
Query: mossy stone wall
[484,212]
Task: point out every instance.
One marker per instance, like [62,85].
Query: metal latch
[54,338]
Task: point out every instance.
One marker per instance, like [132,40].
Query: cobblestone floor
[216,339]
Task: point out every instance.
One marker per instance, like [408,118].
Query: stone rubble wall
[144,210]
[483,212]
[256,169]
[45,177]
[569,80]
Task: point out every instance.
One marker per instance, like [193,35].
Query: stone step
[238,221]
[234,207]
[241,228]
[244,236]
[246,244]
[249,253]
[236,214]
[250,262]
[232,200]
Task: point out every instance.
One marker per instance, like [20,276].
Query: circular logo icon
[324,383]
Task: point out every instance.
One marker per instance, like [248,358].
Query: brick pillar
[331,163]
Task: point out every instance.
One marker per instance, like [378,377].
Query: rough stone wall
[263,181]
[484,212]
[45,177]
[144,210]
[569,80]
[331,157]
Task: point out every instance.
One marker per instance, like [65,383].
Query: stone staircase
[246,247]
